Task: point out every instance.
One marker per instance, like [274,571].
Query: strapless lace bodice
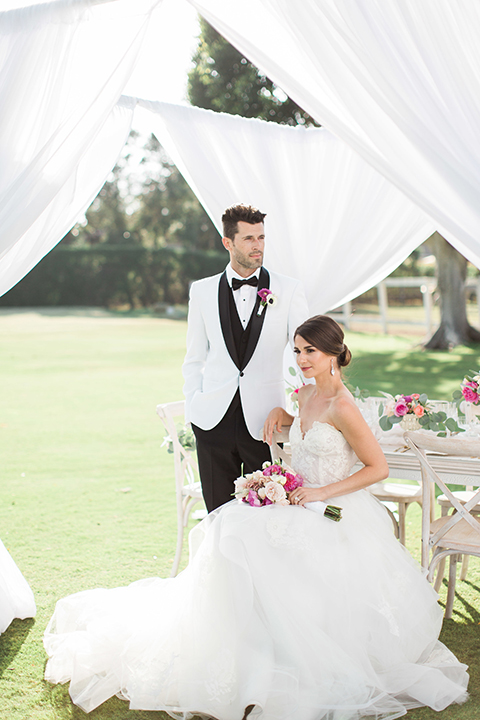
[322,455]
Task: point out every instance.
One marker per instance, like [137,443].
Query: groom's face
[246,249]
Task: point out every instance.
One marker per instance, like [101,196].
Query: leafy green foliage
[223,80]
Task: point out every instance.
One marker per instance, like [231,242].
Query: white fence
[427,286]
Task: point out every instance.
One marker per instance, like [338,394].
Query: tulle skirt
[16,597]
[279,608]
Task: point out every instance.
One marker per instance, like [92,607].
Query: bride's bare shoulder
[344,408]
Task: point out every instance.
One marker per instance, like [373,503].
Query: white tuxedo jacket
[211,369]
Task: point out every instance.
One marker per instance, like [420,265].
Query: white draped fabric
[63,66]
[397,80]
[332,220]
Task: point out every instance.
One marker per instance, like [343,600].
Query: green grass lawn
[87,492]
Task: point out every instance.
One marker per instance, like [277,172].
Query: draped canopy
[332,220]
[397,82]
[63,66]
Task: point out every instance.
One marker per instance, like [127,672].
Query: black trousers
[221,453]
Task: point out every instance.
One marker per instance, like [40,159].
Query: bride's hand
[303,495]
[276,418]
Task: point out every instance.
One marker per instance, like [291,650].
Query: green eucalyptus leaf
[385,423]
[442,434]
[380,410]
[423,398]
[424,420]
[292,371]
[457,395]
[394,419]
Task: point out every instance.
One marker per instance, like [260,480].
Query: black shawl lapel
[256,320]
[225,321]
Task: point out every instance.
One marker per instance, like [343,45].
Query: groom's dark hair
[236,213]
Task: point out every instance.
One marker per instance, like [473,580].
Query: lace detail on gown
[322,455]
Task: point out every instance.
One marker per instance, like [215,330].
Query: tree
[452,272]
[223,80]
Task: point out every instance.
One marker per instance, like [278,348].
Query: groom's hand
[274,421]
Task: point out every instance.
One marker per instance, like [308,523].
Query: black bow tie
[236,283]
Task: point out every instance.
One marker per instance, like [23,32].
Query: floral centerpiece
[414,411]
[469,390]
[467,399]
[272,485]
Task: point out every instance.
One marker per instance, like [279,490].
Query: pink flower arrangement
[470,389]
[410,404]
[270,485]
[395,409]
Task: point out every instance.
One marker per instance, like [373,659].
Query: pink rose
[470,395]
[275,492]
[471,383]
[415,396]
[419,411]
[408,398]
[292,483]
[400,408]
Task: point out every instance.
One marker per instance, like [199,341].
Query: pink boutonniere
[266,298]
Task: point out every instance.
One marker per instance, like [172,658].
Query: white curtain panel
[332,220]
[397,80]
[63,66]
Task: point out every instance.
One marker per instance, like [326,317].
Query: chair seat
[462,536]
[193,490]
[396,492]
[462,496]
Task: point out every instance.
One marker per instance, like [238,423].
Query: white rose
[275,492]
[240,483]
[261,493]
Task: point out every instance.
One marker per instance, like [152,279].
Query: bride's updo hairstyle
[326,335]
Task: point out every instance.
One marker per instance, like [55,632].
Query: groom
[233,368]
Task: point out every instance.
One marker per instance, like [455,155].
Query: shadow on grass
[12,640]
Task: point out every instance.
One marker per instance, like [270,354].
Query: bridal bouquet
[272,485]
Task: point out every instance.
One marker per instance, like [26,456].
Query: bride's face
[311,361]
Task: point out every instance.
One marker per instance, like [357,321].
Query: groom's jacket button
[242,374]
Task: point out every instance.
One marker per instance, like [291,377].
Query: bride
[281,612]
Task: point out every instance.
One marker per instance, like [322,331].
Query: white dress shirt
[245,297]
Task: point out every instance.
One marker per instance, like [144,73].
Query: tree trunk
[452,272]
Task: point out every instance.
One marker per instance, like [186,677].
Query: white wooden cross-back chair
[187,486]
[281,438]
[450,535]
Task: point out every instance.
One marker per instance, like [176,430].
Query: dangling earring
[332,369]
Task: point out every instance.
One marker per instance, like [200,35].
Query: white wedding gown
[280,608]
[16,597]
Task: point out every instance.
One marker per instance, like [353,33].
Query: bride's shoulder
[344,409]
[304,393]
